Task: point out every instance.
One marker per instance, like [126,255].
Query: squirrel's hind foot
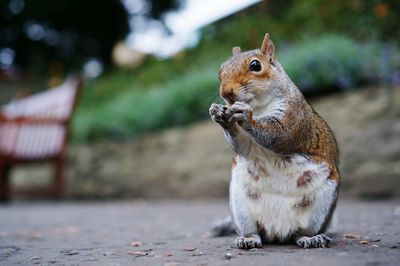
[317,241]
[248,242]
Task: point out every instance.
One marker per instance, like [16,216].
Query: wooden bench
[35,129]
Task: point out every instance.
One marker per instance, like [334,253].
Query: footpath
[176,233]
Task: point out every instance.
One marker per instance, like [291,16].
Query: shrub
[136,111]
[337,62]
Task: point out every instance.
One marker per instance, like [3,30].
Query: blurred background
[150,72]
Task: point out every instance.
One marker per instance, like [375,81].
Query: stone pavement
[175,233]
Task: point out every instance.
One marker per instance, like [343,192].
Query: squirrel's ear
[236,50]
[267,47]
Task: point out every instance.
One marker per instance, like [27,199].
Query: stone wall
[194,161]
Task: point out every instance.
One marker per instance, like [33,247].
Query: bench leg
[4,183]
[59,178]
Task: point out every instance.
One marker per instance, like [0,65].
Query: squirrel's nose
[229,96]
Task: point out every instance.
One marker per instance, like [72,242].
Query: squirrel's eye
[255,65]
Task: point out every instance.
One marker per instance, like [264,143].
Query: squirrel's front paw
[242,113]
[220,114]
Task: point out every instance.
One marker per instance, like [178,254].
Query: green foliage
[134,111]
[153,73]
[332,62]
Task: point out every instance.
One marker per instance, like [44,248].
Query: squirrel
[285,177]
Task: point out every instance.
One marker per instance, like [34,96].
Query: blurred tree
[363,19]
[42,33]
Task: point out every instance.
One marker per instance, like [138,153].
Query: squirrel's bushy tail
[224,227]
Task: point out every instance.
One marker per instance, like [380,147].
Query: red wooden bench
[35,129]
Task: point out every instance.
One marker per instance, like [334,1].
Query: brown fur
[301,130]
[304,179]
[265,108]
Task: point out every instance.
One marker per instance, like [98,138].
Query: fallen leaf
[189,248]
[351,236]
[364,242]
[138,253]
[372,239]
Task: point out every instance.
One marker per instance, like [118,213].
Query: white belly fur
[275,205]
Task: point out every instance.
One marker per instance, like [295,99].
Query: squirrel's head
[243,77]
